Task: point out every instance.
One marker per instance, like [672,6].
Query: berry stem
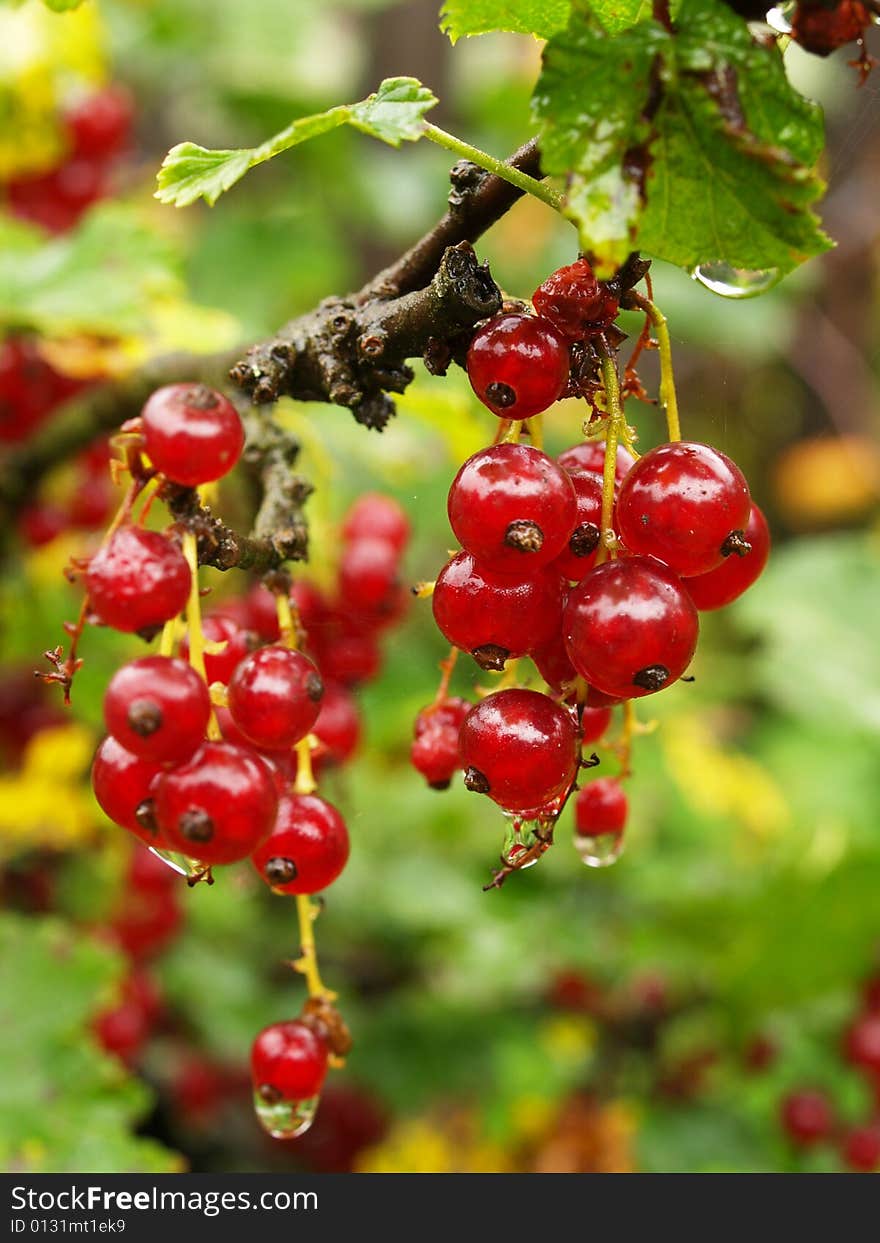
[287,626]
[511,433]
[305,778]
[615,427]
[307,963]
[194,624]
[507,172]
[446,668]
[167,642]
[535,428]
[668,397]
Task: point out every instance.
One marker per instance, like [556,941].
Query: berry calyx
[518,365]
[193,434]
[575,301]
[288,1062]
[734,575]
[275,697]
[600,808]
[630,627]
[219,806]
[138,581]
[123,786]
[157,708]
[434,751]
[807,1117]
[685,504]
[512,507]
[307,848]
[520,748]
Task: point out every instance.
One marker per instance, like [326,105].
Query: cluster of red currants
[678,529]
[808,1116]
[95,132]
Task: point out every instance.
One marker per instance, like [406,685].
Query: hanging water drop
[176,862]
[519,838]
[599,851]
[779,18]
[285,1119]
[730,282]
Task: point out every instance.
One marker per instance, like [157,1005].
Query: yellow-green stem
[615,424]
[307,962]
[668,397]
[194,624]
[286,623]
[464,150]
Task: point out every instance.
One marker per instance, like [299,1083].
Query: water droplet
[778,18]
[731,282]
[176,862]
[520,837]
[285,1119]
[599,851]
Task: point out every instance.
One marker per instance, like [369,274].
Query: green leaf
[691,144]
[542,18]
[392,114]
[62,6]
[617,15]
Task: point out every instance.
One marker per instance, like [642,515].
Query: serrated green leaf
[392,114]
[542,18]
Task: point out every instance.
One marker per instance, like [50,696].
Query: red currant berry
[518,365]
[807,1117]
[138,581]
[520,748]
[192,434]
[374,516]
[576,302]
[338,726]
[158,708]
[862,1042]
[861,1148]
[218,806]
[122,1030]
[598,699]
[149,917]
[594,724]
[42,522]
[220,666]
[589,456]
[99,123]
[685,504]
[122,783]
[600,808]
[368,574]
[630,627]
[92,502]
[348,658]
[288,1062]
[512,507]
[307,848]
[258,612]
[579,554]
[734,575]
[554,666]
[434,751]
[871,993]
[275,697]
[496,616]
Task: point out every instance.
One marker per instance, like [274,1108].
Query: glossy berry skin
[553,664]
[434,751]
[98,125]
[594,723]
[123,783]
[520,748]
[192,433]
[518,365]
[512,507]
[138,581]
[861,1148]
[288,1062]
[349,658]
[862,1042]
[495,616]
[368,574]
[374,516]
[275,697]
[806,1117]
[576,302]
[239,643]
[630,627]
[157,708]
[734,575]
[578,556]
[600,807]
[307,848]
[338,726]
[219,806]
[589,456]
[683,503]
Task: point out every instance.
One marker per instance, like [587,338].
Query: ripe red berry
[600,807]
[122,783]
[338,726]
[122,1030]
[496,616]
[685,504]
[871,993]
[192,433]
[239,643]
[518,365]
[861,1148]
[349,658]
[275,697]
[576,302]
[734,575]
[138,581]
[288,1062]
[512,507]
[374,516]
[369,571]
[42,522]
[589,456]
[579,554]
[553,664]
[218,806]
[158,708]
[630,627]
[434,751]
[98,124]
[862,1042]
[307,848]
[807,1117]
[594,723]
[520,748]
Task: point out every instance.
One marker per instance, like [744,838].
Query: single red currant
[374,516]
[138,581]
[589,456]
[862,1042]
[307,848]
[369,572]
[518,365]
[734,575]
[520,748]
[238,643]
[288,1062]
[685,504]
[192,434]
[512,507]
[158,708]
[594,724]
[579,554]
[600,808]
[496,616]
[575,301]
[218,806]
[98,124]
[349,658]
[554,666]
[434,751]
[275,697]
[630,627]
[861,1148]
[807,1117]
[338,726]
[123,783]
